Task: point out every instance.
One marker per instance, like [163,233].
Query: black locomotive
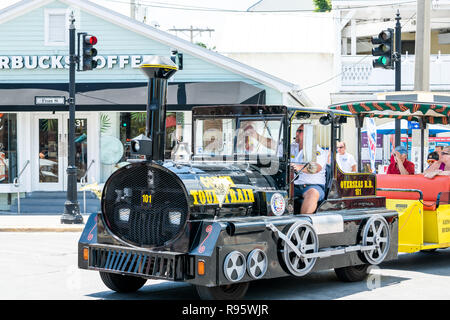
[227,215]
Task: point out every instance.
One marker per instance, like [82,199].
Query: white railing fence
[358,74]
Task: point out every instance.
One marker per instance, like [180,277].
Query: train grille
[142,212]
[157,265]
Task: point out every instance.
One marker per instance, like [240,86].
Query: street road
[44,266]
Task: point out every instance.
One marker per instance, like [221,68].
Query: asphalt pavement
[38,223]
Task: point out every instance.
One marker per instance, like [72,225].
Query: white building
[360,20]
[110,100]
[296,46]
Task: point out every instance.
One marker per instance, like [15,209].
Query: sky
[186,13]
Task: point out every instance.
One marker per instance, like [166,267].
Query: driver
[310,183]
[249,139]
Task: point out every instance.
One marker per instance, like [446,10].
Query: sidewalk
[38,223]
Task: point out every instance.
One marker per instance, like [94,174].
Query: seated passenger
[441,167]
[310,183]
[344,159]
[399,162]
[432,158]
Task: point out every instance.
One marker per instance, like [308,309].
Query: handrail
[438,200]
[17,185]
[16,179]
[87,170]
[83,183]
[403,190]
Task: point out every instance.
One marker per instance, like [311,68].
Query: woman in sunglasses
[441,167]
[432,158]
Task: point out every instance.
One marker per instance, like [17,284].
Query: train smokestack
[158,70]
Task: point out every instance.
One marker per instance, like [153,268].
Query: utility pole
[191,30]
[133,9]
[422,60]
[71,207]
[398,71]
[422,47]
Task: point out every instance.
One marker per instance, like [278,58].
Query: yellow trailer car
[423,204]
[424,209]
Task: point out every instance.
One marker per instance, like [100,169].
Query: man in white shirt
[345,160]
[310,184]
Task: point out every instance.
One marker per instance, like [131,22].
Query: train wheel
[234,291]
[122,283]
[352,273]
[303,236]
[376,233]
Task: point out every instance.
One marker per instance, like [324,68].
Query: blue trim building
[109,99]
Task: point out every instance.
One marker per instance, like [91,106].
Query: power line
[333,77]
[165,5]
[191,30]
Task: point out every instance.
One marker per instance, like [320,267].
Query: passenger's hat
[432,157]
[401,150]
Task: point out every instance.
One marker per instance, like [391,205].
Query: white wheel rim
[376,232]
[304,237]
[257,263]
[234,266]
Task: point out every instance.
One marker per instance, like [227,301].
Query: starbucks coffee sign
[62,62]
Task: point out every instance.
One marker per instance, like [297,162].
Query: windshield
[214,137]
[254,137]
[259,137]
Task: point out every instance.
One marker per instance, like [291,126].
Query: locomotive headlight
[175,217]
[124,214]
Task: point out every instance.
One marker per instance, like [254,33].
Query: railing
[17,184]
[83,183]
[358,74]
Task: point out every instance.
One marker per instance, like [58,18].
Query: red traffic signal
[89,52]
[90,40]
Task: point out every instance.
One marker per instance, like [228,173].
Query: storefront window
[48,151]
[118,128]
[8,147]
[132,124]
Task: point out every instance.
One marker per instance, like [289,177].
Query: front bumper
[142,263]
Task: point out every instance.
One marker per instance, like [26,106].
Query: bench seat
[430,187]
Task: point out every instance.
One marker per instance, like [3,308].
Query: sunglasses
[299,130]
[340,147]
[431,161]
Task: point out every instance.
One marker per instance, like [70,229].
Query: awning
[128,96]
[430,112]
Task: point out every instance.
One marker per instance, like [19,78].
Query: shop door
[51,148]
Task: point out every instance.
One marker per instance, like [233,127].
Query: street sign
[413,125]
[50,101]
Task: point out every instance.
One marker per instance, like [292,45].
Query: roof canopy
[429,112]
[128,95]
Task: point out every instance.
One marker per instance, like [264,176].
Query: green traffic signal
[382,62]
[384,51]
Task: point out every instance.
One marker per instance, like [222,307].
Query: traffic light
[89,52]
[385,50]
